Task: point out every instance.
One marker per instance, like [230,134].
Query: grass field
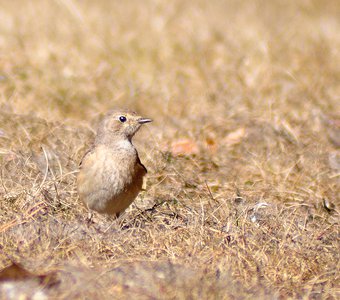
[242,193]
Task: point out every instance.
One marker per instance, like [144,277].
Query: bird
[110,173]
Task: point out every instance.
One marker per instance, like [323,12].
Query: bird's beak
[144,120]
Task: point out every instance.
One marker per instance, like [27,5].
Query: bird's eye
[122,119]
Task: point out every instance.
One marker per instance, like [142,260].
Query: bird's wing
[88,152]
[140,163]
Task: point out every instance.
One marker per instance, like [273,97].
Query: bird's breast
[110,179]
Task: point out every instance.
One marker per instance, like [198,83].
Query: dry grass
[252,87]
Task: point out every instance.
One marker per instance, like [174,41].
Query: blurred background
[68,58]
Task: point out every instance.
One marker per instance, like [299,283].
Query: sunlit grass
[242,192]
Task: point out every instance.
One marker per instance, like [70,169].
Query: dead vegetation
[242,197]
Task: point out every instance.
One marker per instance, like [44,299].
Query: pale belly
[109,185]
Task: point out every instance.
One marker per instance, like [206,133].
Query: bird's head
[120,124]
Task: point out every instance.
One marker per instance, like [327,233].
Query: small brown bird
[111,173]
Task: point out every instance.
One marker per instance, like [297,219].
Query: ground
[241,199]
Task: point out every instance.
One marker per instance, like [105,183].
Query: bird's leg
[89,217]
